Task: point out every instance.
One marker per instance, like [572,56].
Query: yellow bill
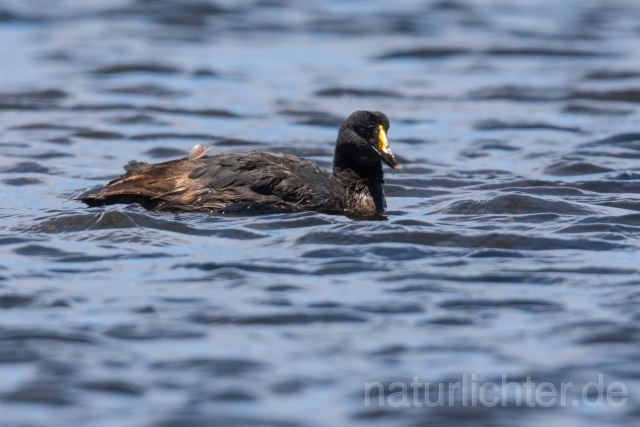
[383,148]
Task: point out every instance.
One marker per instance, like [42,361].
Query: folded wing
[254,180]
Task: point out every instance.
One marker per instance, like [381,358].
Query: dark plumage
[259,181]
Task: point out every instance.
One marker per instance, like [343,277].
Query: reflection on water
[509,246]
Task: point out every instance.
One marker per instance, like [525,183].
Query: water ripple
[509,246]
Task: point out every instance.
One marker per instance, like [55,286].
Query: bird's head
[362,141]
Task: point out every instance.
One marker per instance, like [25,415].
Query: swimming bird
[257,181]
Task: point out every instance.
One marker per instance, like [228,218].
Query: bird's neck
[358,174]
[354,163]
[363,183]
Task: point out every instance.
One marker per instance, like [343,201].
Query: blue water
[509,246]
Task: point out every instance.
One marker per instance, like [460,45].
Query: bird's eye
[364,131]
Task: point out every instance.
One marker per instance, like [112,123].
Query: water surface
[510,246]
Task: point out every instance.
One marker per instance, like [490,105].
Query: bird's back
[251,181]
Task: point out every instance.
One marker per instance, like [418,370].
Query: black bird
[256,181]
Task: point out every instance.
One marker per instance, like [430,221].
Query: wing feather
[254,178]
